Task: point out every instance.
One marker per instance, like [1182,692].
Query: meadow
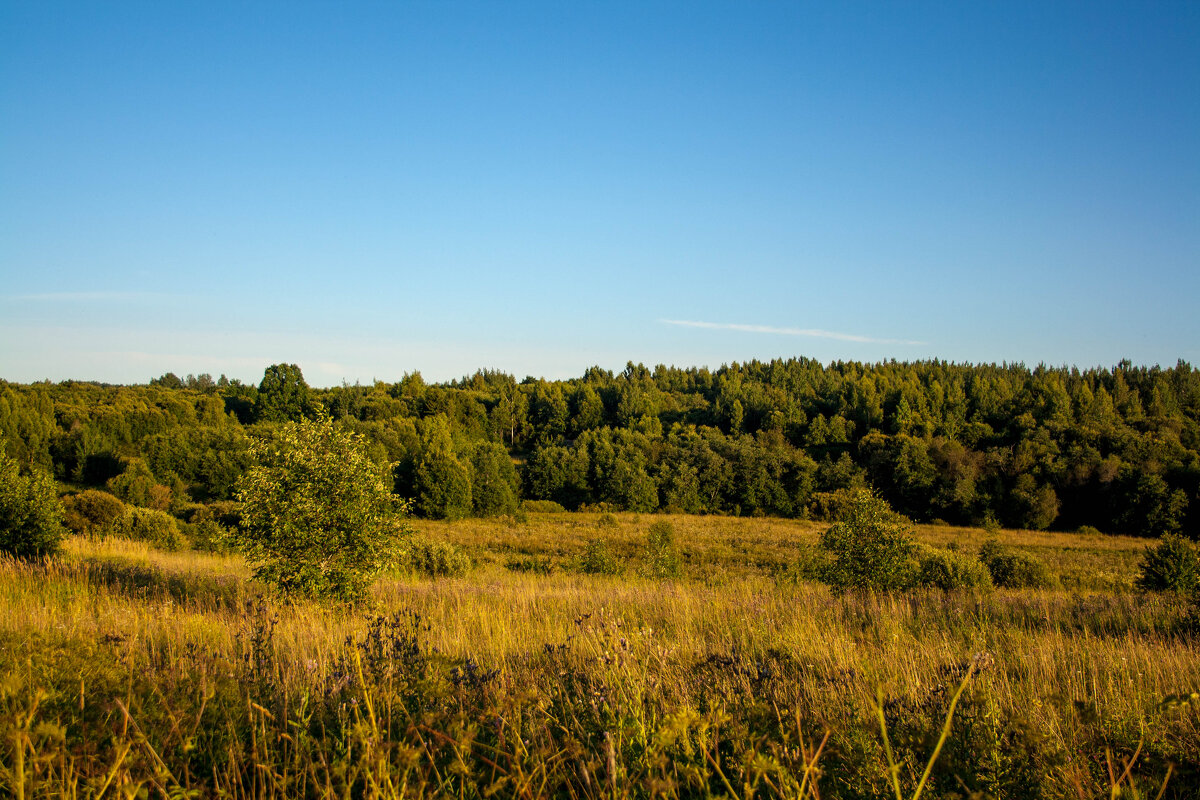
[130,671]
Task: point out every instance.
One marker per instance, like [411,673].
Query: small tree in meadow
[870,547]
[598,559]
[318,516]
[1173,565]
[948,570]
[1015,569]
[30,513]
[662,555]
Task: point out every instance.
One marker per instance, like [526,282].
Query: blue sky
[371,189]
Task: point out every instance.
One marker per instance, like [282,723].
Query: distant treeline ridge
[1061,448]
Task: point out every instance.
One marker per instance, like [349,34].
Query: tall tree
[283,394]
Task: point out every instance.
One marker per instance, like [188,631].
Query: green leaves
[1173,565]
[30,513]
[870,548]
[661,559]
[318,516]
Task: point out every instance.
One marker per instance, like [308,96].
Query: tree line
[1044,448]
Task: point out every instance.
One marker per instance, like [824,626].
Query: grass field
[125,670]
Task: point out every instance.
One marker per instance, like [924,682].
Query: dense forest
[1047,448]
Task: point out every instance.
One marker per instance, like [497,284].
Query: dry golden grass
[1081,670]
[1052,640]
[715,548]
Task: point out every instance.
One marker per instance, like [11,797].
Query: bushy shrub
[138,486]
[1089,530]
[541,507]
[948,570]
[598,559]
[88,511]
[607,520]
[227,513]
[1015,569]
[433,558]
[1172,565]
[318,515]
[146,525]
[30,512]
[870,548]
[661,559]
[209,536]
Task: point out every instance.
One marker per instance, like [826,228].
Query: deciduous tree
[30,513]
[318,515]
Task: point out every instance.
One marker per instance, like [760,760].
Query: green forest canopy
[1057,448]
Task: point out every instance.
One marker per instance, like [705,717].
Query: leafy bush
[318,515]
[948,570]
[30,512]
[607,520]
[209,536]
[1015,569]
[146,525]
[138,486]
[661,559]
[542,507]
[870,548]
[90,510]
[227,513]
[1089,530]
[598,559]
[1171,566]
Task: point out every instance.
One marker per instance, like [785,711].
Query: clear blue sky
[370,189]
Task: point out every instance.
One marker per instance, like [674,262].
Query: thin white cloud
[815,333]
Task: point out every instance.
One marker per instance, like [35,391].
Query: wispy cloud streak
[815,333]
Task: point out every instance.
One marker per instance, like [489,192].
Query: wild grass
[715,548]
[125,669]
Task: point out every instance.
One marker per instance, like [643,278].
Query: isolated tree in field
[318,516]
[30,513]
[869,547]
[661,558]
[1173,565]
